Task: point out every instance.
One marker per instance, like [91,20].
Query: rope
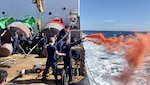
[22,50]
[37,13]
[35,45]
[61,39]
[91,73]
[41,16]
[33,48]
[39,42]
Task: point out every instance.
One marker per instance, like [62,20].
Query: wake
[108,68]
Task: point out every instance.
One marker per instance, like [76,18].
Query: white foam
[103,65]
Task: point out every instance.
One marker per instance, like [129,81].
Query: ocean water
[112,33]
[103,66]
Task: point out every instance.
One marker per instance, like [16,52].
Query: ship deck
[31,77]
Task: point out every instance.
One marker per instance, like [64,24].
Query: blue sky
[119,15]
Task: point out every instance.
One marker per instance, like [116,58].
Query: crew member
[51,59]
[62,33]
[15,43]
[42,43]
[22,41]
[75,52]
[66,48]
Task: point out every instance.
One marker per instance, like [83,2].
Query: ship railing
[78,35]
[75,33]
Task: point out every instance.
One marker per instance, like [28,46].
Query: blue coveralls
[51,61]
[61,34]
[42,44]
[35,40]
[22,41]
[44,41]
[66,48]
[15,44]
[75,54]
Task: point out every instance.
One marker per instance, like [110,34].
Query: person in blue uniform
[75,52]
[44,40]
[51,59]
[66,48]
[42,43]
[22,41]
[36,39]
[61,34]
[15,43]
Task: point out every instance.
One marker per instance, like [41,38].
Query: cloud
[109,20]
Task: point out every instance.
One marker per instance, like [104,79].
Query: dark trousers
[75,54]
[68,63]
[59,46]
[53,65]
[40,50]
[15,47]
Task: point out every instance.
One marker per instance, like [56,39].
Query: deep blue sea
[111,33]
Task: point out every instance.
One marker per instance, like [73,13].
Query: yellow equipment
[38,24]
[39,4]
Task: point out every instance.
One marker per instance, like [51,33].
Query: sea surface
[103,66]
